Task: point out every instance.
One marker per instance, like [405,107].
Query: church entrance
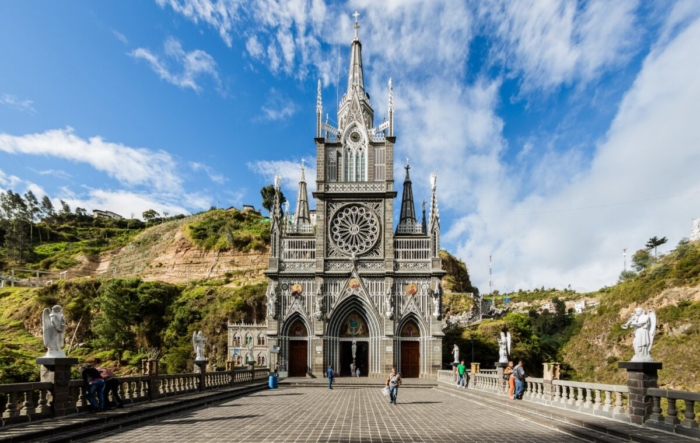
[361,358]
[298,351]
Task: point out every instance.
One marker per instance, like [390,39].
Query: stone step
[78,426]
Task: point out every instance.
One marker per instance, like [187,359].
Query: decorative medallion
[354,283]
[354,229]
[296,289]
[411,289]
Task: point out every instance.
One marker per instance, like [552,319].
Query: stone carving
[54,329]
[198,342]
[504,347]
[644,325]
[455,353]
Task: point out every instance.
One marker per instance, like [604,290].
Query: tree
[655,242]
[268,197]
[150,215]
[641,260]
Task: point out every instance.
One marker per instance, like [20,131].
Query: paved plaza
[342,415]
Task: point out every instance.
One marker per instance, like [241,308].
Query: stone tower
[349,289]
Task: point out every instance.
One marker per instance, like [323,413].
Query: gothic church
[346,288]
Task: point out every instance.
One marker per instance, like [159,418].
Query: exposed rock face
[163,253]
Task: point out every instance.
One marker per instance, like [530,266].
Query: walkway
[350,414]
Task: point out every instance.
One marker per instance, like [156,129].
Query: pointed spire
[355,74]
[319,111]
[407,222]
[301,217]
[391,108]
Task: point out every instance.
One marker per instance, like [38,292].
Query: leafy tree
[150,215]
[118,305]
[641,260]
[655,242]
[268,197]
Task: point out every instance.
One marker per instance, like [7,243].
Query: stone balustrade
[23,402]
[670,421]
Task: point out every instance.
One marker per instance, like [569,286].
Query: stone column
[502,384]
[475,370]
[150,368]
[200,367]
[640,377]
[57,371]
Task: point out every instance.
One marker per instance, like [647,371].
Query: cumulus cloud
[16,103]
[190,66]
[130,166]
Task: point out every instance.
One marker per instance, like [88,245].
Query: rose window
[354,229]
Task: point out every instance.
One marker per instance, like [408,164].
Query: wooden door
[298,353]
[410,359]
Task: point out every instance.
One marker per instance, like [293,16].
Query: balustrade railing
[23,402]
[667,415]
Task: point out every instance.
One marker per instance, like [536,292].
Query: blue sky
[561,131]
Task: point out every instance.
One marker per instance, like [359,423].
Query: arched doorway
[410,350]
[298,350]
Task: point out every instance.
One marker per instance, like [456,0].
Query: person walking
[519,374]
[461,375]
[94,384]
[509,375]
[329,374]
[111,385]
[393,381]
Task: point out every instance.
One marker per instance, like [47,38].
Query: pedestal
[200,367]
[640,377]
[58,372]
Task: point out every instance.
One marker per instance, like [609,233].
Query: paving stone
[342,415]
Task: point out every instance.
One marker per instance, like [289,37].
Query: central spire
[355,75]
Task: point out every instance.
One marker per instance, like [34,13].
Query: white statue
[198,342]
[354,349]
[54,329]
[455,353]
[644,324]
[504,347]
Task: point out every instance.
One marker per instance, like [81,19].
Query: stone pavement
[360,414]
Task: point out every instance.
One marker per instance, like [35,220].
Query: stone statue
[54,328]
[504,347]
[354,349]
[644,324]
[455,353]
[198,342]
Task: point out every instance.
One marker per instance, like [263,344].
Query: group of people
[393,381]
[98,380]
[516,380]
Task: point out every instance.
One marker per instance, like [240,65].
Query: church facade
[349,289]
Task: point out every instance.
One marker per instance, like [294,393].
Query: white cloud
[554,42]
[290,172]
[192,66]
[130,166]
[16,103]
[211,173]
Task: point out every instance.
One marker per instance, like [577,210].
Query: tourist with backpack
[111,385]
[519,374]
[461,375]
[393,381]
[94,384]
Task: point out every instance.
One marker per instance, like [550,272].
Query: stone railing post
[640,377]
[200,367]
[57,371]
[500,383]
[150,368]
[476,367]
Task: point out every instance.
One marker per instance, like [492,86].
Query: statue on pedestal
[54,328]
[504,347]
[198,342]
[455,353]
[644,324]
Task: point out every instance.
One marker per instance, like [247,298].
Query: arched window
[237,340]
[248,339]
[261,339]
